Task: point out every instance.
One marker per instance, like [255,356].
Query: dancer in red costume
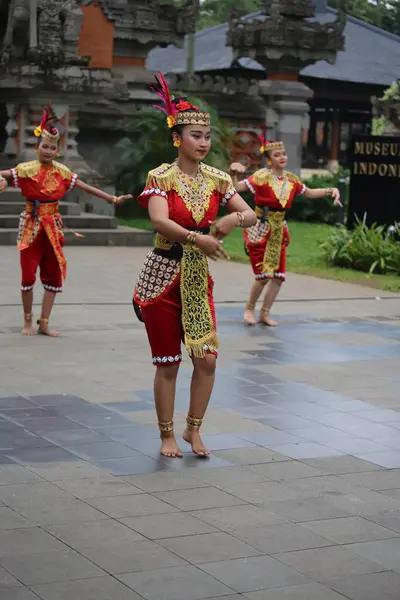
[43,183]
[274,190]
[174,292]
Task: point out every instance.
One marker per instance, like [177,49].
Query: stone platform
[98,230]
[300,498]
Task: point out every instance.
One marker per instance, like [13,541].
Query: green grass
[304,255]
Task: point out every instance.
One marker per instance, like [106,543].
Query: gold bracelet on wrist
[113,199]
[329,192]
[241,219]
[191,237]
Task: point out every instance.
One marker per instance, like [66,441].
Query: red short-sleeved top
[191,202]
[43,182]
[272,191]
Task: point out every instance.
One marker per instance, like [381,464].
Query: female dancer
[274,190]
[174,292]
[43,183]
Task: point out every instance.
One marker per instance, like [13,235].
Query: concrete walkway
[300,499]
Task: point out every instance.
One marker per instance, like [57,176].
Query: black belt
[176,250]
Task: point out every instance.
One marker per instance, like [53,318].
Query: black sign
[375,180]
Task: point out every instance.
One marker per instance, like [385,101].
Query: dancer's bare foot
[249,317]
[28,329]
[265,320]
[249,314]
[193,438]
[44,328]
[170,448]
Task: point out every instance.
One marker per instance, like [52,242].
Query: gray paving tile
[34,493]
[50,567]
[236,518]
[103,420]
[11,474]
[265,491]
[49,454]
[58,400]
[94,534]
[177,524]
[209,547]
[129,466]
[306,450]
[384,552]
[341,464]
[390,520]
[307,591]
[378,480]
[389,459]
[384,586]
[31,540]
[166,481]
[308,509]
[229,476]
[10,402]
[68,437]
[132,506]
[254,573]
[270,439]
[326,564]
[45,424]
[7,581]
[286,470]
[10,519]
[283,538]
[98,487]
[190,461]
[175,583]
[198,499]
[18,415]
[122,556]
[98,588]
[225,442]
[18,593]
[350,530]
[100,450]
[77,469]
[251,456]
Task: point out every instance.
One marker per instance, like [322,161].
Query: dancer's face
[278,159]
[195,142]
[47,151]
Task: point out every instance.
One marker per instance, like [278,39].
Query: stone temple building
[299,65]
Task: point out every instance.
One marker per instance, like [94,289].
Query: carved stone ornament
[282,40]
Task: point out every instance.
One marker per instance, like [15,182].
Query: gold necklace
[281,187]
[195,193]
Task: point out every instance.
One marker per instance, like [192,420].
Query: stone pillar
[287,106]
[333,163]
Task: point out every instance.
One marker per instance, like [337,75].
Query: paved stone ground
[300,499]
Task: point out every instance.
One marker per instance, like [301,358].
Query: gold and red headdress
[269,145]
[46,130]
[178,113]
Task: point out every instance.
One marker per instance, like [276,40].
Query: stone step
[75,222]
[11,195]
[14,207]
[122,236]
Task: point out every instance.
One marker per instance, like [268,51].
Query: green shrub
[320,210]
[368,249]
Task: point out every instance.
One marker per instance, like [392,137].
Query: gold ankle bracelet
[250,306]
[28,316]
[165,427]
[42,321]
[193,422]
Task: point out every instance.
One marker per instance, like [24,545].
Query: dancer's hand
[336,197]
[211,247]
[121,199]
[237,167]
[224,226]
[3,183]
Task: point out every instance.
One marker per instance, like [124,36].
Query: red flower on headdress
[185,105]
[263,138]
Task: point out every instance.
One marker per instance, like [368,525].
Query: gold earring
[269,162]
[177,143]
[36,151]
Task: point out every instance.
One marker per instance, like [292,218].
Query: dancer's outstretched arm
[100,194]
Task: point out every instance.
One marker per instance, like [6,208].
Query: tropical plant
[148,144]
[319,210]
[369,249]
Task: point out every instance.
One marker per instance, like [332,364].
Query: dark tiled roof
[371,55]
